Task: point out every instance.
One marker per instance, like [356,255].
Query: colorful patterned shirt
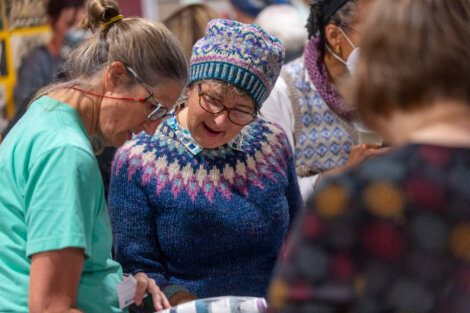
[392,235]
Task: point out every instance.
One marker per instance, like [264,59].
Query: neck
[88,107]
[182,117]
[444,123]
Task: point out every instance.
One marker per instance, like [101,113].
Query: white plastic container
[227,304]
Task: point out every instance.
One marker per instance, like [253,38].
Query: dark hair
[413,53]
[344,17]
[147,47]
[55,7]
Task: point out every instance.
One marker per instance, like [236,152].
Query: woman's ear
[114,76]
[333,38]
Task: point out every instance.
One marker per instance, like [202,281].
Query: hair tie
[330,9]
[112,20]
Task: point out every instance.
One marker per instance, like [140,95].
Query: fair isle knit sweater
[212,222]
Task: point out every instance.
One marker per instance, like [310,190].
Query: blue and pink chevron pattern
[212,222]
[165,161]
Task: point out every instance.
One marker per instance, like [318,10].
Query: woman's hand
[148,285]
[358,154]
[362,152]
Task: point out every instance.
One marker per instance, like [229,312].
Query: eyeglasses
[160,110]
[215,106]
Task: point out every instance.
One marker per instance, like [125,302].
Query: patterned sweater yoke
[221,170]
[212,221]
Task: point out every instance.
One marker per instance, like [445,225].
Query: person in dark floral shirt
[393,234]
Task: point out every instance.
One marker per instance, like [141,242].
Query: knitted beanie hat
[243,55]
[253,7]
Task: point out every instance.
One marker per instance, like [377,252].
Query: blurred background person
[306,102]
[246,11]
[393,233]
[189,24]
[40,66]
[204,204]
[55,247]
[285,22]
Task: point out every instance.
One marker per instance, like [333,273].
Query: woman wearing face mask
[41,65]
[55,247]
[305,101]
[203,205]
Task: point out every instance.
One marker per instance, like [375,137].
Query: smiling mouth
[211,131]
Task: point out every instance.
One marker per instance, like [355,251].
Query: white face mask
[72,38]
[353,57]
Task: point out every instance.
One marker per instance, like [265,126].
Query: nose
[221,119]
[151,126]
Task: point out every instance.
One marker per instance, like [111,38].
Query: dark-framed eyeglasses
[214,105]
[160,111]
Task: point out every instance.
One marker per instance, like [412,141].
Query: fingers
[362,152]
[375,152]
[148,285]
[365,146]
[160,301]
[141,288]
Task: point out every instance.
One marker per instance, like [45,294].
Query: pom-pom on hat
[243,55]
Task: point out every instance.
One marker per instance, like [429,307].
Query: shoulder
[144,146]
[38,54]
[295,67]
[266,132]
[56,125]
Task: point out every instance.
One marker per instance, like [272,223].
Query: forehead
[222,89]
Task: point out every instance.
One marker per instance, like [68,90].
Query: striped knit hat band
[240,54]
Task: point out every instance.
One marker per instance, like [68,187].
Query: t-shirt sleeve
[62,194]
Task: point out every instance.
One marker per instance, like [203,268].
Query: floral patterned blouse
[390,236]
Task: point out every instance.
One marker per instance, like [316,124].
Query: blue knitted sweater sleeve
[134,232]
[292,191]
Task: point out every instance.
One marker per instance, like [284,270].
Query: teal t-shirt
[52,197]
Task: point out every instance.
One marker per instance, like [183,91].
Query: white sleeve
[307,185]
[278,109]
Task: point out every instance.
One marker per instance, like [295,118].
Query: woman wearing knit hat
[203,206]
[306,101]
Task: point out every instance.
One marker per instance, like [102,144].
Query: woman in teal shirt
[55,237]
